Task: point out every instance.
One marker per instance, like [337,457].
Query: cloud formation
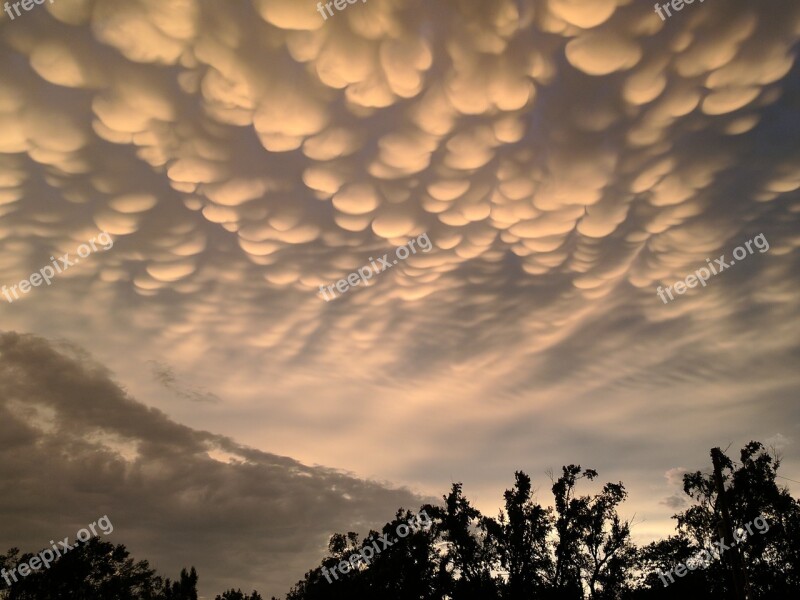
[165,375]
[566,157]
[76,446]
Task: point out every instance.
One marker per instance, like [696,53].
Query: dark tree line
[97,570]
[580,548]
[577,549]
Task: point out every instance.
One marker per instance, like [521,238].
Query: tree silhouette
[184,589]
[771,558]
[593,551]
[580,549]
[92,570]
[407,568]
[468,557]
[238,595]
[520,537]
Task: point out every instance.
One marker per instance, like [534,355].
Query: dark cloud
[77,447]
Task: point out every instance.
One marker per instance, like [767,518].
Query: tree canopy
[579,547]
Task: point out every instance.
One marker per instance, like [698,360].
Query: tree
[520,536]
[771,555]
[184,589]
[468,556]
[405,567]
[409,568]
[593,550]
[92,570]
[97,570]
[232,594]
[770,549]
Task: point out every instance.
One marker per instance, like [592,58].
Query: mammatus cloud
[263,151]
[75,445]
[566,157]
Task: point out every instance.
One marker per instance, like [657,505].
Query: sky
[198,169]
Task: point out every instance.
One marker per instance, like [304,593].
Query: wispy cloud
[165,375]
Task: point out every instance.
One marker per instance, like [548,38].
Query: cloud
[165,375]
[674,476]
[777,441]
[677,500]
[566,158]
[76,447]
